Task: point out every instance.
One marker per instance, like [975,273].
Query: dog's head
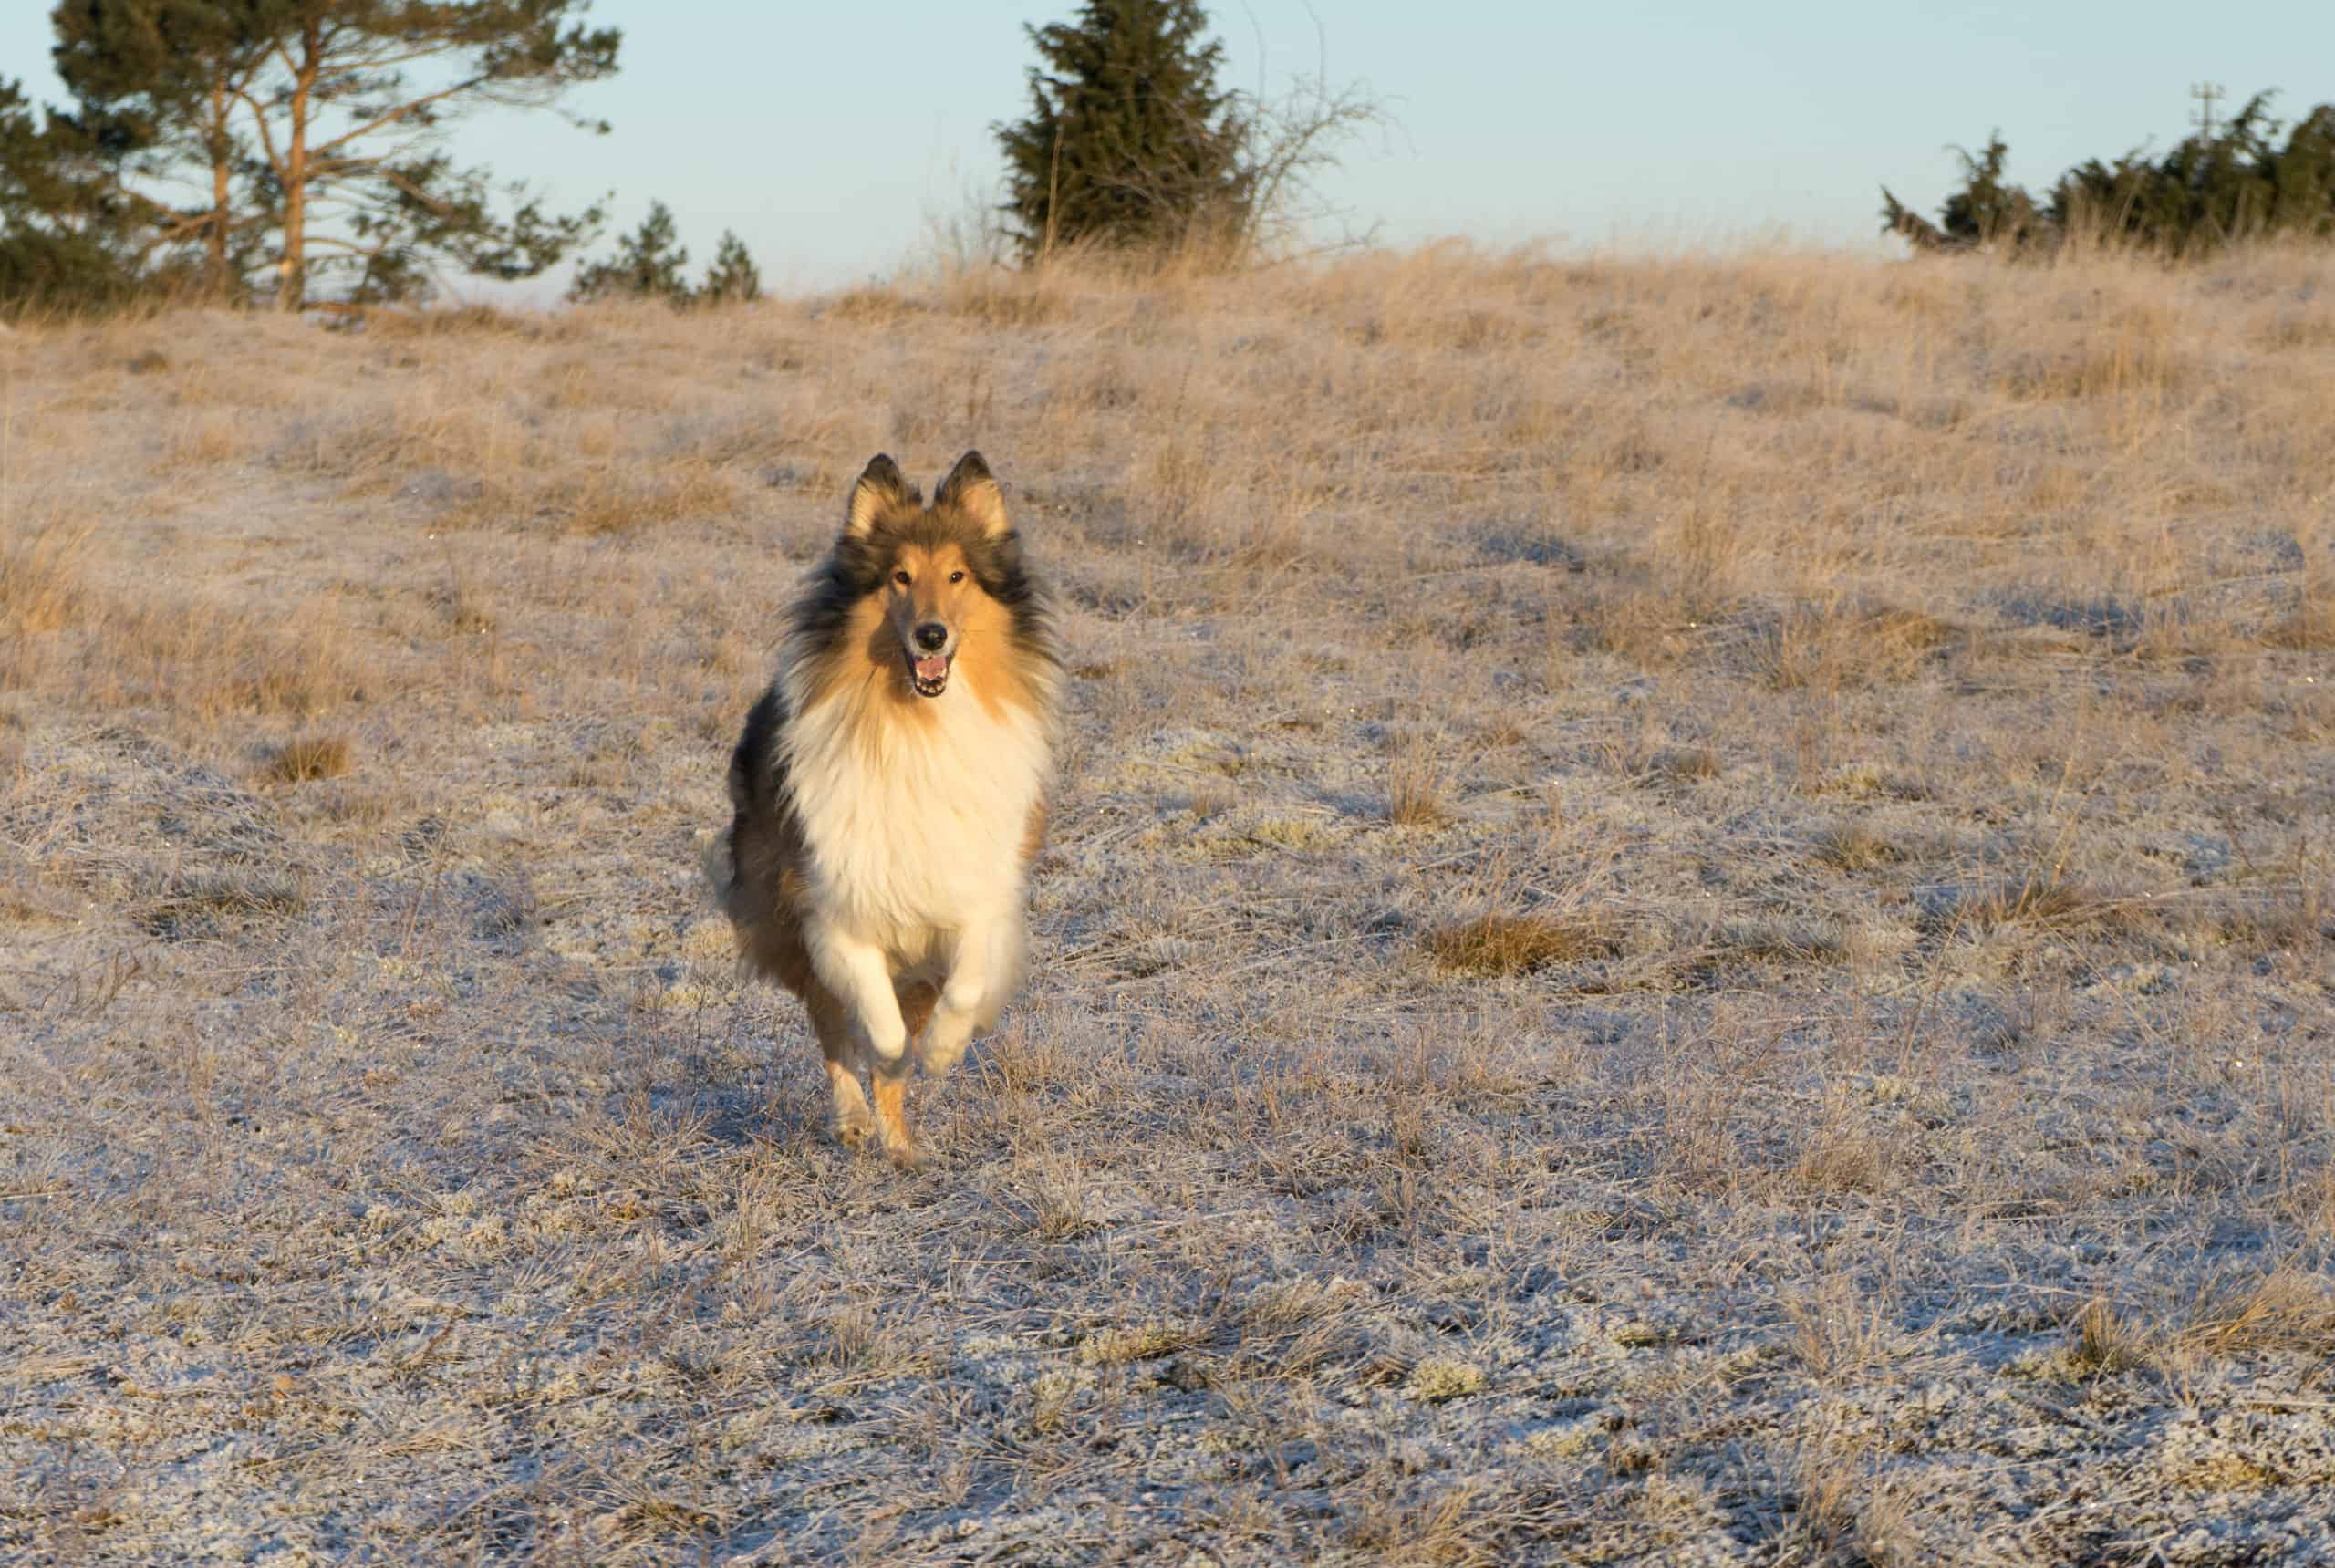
[937,576]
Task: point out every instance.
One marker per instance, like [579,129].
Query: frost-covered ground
[1689,921]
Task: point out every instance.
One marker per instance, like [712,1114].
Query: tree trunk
[292,285]
[215,280]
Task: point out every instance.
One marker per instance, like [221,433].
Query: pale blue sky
[826,134]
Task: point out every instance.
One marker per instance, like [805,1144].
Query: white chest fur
[914,821]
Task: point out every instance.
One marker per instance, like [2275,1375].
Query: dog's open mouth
[930,674]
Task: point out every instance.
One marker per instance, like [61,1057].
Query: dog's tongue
[931,668]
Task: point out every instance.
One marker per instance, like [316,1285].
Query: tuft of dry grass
[2103,1341]
[2290,1308]
[2043,900]
[1498,944]
[309,758]
[1417,791]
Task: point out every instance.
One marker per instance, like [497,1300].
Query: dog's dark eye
[956,577]
[901,578]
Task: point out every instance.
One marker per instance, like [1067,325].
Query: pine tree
[321,151]
[648,265]
[166,79]
[2213,189]
[62,240]
[733,279]
[1129,141]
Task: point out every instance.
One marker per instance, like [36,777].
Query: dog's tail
[754,788]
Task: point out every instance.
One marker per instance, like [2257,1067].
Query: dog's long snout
[931,636]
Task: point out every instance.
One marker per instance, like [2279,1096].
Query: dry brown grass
[309,758]
[1497,944]
[40,581]
[1415,789]
[1687,917]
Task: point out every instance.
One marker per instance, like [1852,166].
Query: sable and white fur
[889,789]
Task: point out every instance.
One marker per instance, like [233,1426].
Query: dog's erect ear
[970,489]
[880,488]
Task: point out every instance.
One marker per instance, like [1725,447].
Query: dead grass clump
[1005,299]
[2295,916]
[1833,646]
[209,441]
[1687,764]
[1841,1159]
[606,501]
[1056,1195]
[2104,1341]
[873,306]
[622,507]
[40,579]
[197,906]
[1639,627]
[2287,1309]
[1415,787]
[1839,1331]
[309,758]
[1856,847]
[2041,901]
[2308,625]
[1495,944]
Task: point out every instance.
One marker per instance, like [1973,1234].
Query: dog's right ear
[880,488]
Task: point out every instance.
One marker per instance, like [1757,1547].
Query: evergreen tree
[66,238]
[648,265]
[167,78]
[320,151]
[1129,140]
[2232,183]
[733,279]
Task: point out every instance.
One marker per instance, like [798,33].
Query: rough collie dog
[889,789]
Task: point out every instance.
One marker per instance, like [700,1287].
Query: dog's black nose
[932,637]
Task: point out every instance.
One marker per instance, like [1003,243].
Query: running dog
[889,790]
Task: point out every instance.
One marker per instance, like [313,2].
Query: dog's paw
[856,1133]
[940,1048]
[938,1062]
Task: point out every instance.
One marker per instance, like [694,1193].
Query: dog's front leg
[974,972]
[860,974]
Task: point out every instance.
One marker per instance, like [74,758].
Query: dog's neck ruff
[913,820]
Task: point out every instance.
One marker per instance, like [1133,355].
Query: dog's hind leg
[891,1081]
[830,1021]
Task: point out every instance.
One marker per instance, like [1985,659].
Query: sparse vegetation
[1831,1063]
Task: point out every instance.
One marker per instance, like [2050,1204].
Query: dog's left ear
[970,489]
